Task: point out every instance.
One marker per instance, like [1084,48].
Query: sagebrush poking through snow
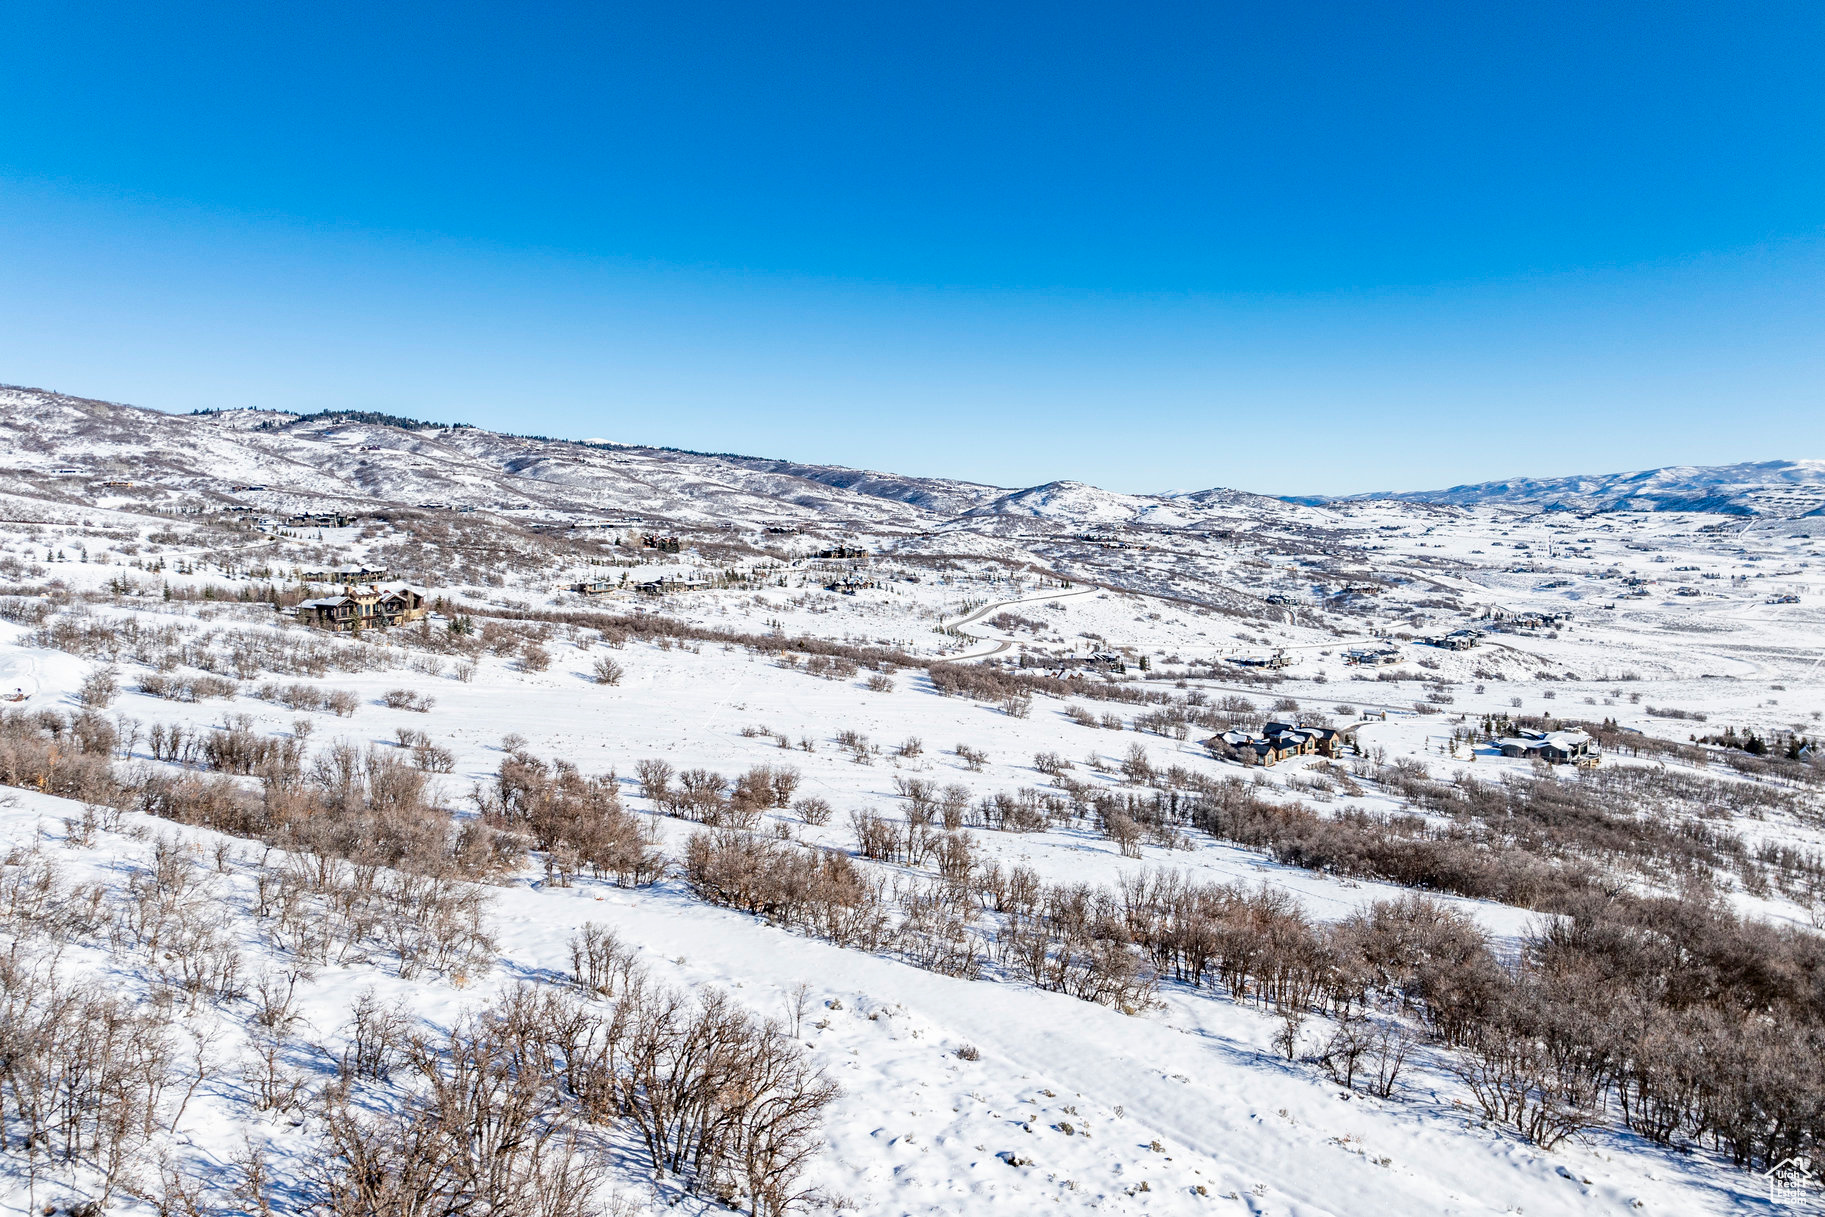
[1077,961]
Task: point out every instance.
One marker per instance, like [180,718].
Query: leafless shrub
[426,665]
[935,931]
[1125,832]
[756,791]
[785,781]
[407,699]
[237,748]
[600,964]
[655,778]
[376,1038]
[489,1130]
[99,688]
[194,688]
[798,1004]
[813,811]
[83,1074]
[973,759]
[573,818]
[1073,942]
[876,837]
[1387,1056]
[714,1094]
[1510,1072]
[1343,1053]
[608,672]
[822,892]
[919,793]
[1286,1039]
[956,858]
[296,696]
[433,758]
[273,1082]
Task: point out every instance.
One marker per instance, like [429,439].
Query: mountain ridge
[335,456]
[1780,488]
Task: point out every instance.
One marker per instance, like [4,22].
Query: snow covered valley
[883,859]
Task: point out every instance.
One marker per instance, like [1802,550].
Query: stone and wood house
[370,608]
[1277,742]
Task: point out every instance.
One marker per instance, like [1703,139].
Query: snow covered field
[960,1093]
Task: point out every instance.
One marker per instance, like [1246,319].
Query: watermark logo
[1791,1181]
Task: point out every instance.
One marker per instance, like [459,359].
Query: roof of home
[1564,741]
[381,590]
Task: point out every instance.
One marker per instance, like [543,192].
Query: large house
[1554,747]
[1277,742]
[1502,619]
[372,608]
[344,575]
[1372,656]
[1101,661]
[1279,659]
[662,586]
[1456,640]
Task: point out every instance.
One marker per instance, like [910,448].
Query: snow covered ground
[1061,1105]
[917,1128]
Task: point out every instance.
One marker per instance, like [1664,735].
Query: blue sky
[1294,248]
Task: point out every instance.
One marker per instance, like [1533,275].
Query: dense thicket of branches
[506,1113]
[577,821]
[1671,1015]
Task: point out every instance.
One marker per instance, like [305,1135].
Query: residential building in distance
[370,608]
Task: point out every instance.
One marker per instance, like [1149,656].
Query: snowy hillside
[331,461]
[90,452]
[1774,488]
[730,834]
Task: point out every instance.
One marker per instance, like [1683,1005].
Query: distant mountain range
[1788,489]
[359,459]
[355,459]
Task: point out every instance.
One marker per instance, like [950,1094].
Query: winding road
[1002,644]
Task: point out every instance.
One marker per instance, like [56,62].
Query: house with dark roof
[1277,742]
[344,575]
[1553,747]
[372,608]
[1371,657]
